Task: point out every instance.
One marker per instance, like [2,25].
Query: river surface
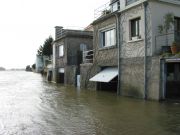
[31,106]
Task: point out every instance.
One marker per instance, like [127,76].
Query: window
[61,50]
[128,2]
[135,29]
[115,6]
[177,28]
[108,38]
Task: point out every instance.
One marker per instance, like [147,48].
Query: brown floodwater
[31,106]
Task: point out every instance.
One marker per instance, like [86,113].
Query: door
[173,81]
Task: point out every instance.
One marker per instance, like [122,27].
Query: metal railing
[166,40]
[88,56]
[102,10]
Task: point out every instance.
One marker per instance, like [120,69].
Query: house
[127,50]
[67,54]
[39,63]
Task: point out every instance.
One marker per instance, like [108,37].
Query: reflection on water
[31,106]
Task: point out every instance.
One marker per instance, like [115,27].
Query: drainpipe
[145,4]
[118,46]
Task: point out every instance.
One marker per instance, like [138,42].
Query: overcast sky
[25,24]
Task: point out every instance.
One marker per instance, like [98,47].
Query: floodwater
[31,106]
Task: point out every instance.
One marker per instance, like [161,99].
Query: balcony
[102,10]
[87,56]
[164,41]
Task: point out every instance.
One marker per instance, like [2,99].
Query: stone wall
[132,77]
[87,71]
[106,56]
[73,47]
[70,75]
[154,80]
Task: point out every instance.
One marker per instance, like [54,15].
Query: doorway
[108,86]
[172,81]
[61,75]
[61,78]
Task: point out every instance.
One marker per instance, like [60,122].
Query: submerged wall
[132,77]
[87,71]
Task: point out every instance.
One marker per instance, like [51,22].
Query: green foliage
[28,68]
[164,55]
[167,24]
[178,55]
[46,49]
[34,66]
[39,51]
[47,46]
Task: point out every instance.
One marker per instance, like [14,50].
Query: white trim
[105,29]
[171,60]
[131,41]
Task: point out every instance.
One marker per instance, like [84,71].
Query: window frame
[128,2]
[103,34]
[61,50]
[177,19]
[115,6]
[177,28]
[135,29]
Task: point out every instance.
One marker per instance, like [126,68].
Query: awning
[105,75]
[171,60]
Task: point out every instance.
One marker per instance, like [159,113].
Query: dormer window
[115,5]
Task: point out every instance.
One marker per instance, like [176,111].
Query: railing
[166,40]
[102,10]
[88,56]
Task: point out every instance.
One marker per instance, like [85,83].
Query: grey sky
[25,24]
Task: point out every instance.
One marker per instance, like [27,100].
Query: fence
[102,10]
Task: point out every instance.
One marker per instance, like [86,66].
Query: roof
[74,33]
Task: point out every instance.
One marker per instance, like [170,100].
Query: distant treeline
[2,69]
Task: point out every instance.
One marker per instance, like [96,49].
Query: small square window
[135,29]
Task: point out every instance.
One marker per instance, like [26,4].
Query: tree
[47,46]
[28,68]
[167,25]
[40,50]
[34,66]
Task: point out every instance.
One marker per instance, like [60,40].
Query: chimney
[58,31]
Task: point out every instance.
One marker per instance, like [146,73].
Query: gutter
[118,46]
[145,4]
